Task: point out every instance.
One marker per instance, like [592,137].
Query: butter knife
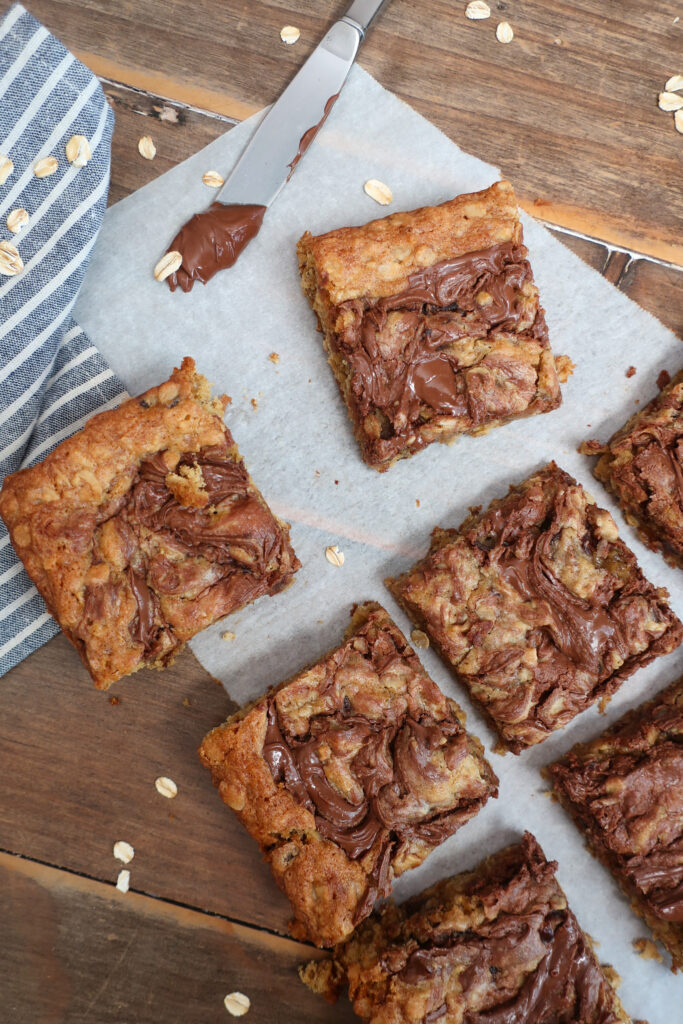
[213,240]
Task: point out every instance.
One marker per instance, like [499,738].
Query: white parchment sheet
[299,446]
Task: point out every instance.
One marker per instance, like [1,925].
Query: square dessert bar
[625,792]
[642,465]
[348,774]
[432,323]
[538,606]
[495,945]
[144,528]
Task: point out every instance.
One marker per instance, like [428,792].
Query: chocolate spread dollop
[213,240]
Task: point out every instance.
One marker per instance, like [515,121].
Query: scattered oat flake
[378,191]
[670,101]
[11,262]
[274,357]
[678,121]
[631,372]
[289,34]
[123,851]
[420,639]
[146,147]
[114,701]
[228,635]
[6,168]
[123,881]
[78,150]
[45,167]
[17,219]
[213,179]
[477,10]
[504,33]
[647,949]
[674,84]
[237,1004]
[168,114]
[168,264]
[166,787]
[254,404]
[334,556]
[417,502]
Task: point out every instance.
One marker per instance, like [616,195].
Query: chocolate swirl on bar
[228,540]
[401,351]
[520,543]
[630,802]
[566,984]
[653,477]
[397,764]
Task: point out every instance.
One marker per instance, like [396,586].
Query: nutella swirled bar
[625,792]
[538,606]
[145,527]
[642,465]
[348,774]
[432,323]
[497,945]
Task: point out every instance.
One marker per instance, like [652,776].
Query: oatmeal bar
[538,606]
[432,323]
[144,528]
[495,945]
[348,774]
[642,465]
[625,792]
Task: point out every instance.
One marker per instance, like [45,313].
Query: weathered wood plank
[176,130]
[78,774]
[74,951]
[583,141]
[658,289]
[594,254]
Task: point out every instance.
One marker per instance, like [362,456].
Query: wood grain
[568,110]
[78,774]
[79,952]
[659,290]
[177,132]
[594,254]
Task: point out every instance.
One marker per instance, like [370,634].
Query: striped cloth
[51,378]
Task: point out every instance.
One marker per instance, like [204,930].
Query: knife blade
[213,239]
[294,120]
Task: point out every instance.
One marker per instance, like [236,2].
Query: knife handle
[361,13]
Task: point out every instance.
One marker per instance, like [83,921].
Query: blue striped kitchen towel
[52,378]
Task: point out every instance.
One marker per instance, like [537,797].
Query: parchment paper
[300,449]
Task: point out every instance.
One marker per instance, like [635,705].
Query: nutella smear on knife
[213,241]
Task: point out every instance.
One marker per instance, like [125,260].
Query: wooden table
[569,112]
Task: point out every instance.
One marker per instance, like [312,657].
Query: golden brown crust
[377,258]
[624,790]
[127,585]
[348,774]
[538,606]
